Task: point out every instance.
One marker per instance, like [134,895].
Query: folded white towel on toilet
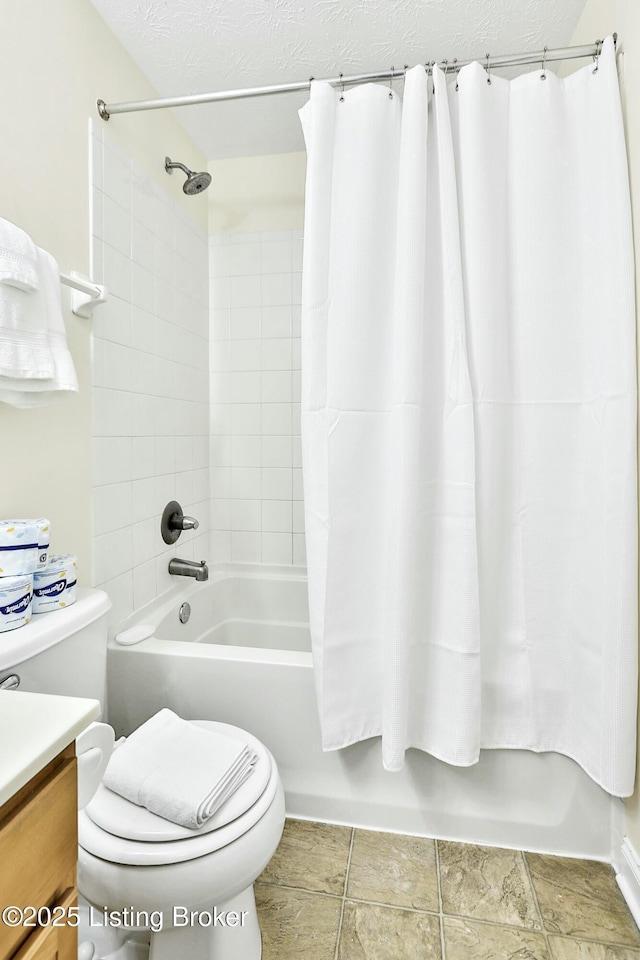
[18,261]
[177,770]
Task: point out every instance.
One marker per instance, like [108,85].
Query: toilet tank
[63,651]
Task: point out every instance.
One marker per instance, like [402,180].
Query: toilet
[193,889]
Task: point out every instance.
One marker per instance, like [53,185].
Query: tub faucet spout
[189,568]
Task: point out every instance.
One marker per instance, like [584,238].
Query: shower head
[195,182]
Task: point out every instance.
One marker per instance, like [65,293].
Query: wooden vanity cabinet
[38,857]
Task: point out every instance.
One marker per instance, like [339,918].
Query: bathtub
[244,657]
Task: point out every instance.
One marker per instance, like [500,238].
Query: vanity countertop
[34,728]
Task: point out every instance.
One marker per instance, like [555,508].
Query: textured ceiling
[197,46]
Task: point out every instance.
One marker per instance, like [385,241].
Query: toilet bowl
[131,861]
[192,888]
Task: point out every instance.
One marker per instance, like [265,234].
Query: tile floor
[333,893]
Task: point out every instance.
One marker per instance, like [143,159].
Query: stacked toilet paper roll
[55,586]
[24,546]
[24,550]
[16,595]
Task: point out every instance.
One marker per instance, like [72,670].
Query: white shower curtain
[469,417]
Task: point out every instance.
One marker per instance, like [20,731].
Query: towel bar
[85,295]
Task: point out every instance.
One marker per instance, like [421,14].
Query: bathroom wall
[256,211]
[150,379]
[256,475]
[599,18]
[57,58]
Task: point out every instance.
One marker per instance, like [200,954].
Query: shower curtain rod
[106,110]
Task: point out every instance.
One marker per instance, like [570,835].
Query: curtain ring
[543,75]
[341,88]
[457,71]
[390,82]
[488,69]
[596,57]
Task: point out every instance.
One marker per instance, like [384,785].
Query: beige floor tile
[312,856]
[390,868]
[371,932]
[469,940]
[486,883]
[564,949]
[297,925]
[580,898]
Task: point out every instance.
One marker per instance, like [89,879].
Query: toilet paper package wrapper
[44,539]
[16,595]
[22,545]
[55,586]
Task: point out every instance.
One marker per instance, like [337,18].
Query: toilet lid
[98,842]
[122,818]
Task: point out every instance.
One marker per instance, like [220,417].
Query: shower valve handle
[178,521]
[174,522]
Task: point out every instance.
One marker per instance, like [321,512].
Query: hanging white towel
[18,258]
[35,364]
[177,770]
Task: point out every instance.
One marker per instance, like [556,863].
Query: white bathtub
[244,657]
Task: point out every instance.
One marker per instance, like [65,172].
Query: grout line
[443,948]
[344,893]
[537,904]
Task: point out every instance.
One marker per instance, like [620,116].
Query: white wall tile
[245,483]
[220,514]
[276,452]
[276,418]
[142,457]
[142,245]
[276,354]
[111,412]
[220,482]
[116,226]
[120,590]
[144,583]
[275,321]
[244,323]
[245,355]
[117,272]
[244,259]
[245,515]
[150,361]
[246,451]
[220,546]
[276,483]
[246,387]
[276,289]
[298,516]
[277,516]
[112,461]
[258,431]
[146,540]
[275,256]
[296,451]
[245,547]
[116,175]
[299,550]
[111,507]
[244,291]
[277,548]
[245,419]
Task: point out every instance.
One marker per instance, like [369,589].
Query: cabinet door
[38,851]
[52,943]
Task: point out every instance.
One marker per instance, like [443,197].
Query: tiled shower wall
[150,376]
[256,476]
